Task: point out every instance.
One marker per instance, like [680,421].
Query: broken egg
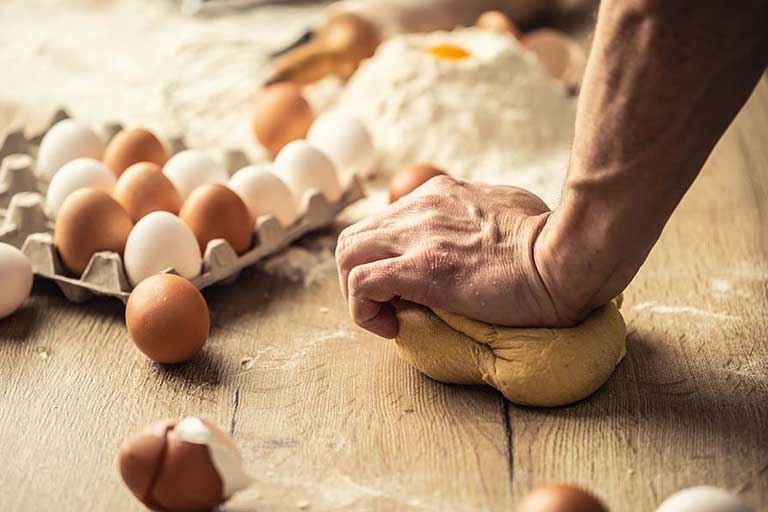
[67,140]
[214,211]
[158,242]
[411,178]
[16,278]
[448,52]
[167,318]
[281,115]
[89,221]
[180,466]
[74,175]
[703,499]
[347,142]
[193,168]
[143,189]
[131,146]
[303,168]
[560,498]
[265,194]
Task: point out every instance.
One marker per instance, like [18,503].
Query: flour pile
[495,116]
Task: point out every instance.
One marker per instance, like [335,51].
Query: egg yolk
[449,52]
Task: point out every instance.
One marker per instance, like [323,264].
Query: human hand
[466,248]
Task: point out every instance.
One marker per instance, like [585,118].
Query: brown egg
[214,211]
[282,115]
[131,146]
[167,318]
[89,221]
[411,178]
[167,472]
[143,189]
[560,498]
[497,21]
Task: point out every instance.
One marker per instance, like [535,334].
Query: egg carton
[25,224]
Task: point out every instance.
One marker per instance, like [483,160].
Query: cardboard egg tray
[24,224]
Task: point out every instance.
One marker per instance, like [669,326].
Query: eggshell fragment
[15,278]
[281,115]
[265,194]
[143,189]
[167,318]
[131,146]
[89,221]
[161,241]
[67,140]
[74,175]
[192,168]
[411,178]
[346,140]
[560,55]
[304,168]
[497,21]
[703,499]
[214,211]
[560,498]
[192,465]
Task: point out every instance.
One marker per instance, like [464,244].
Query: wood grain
[327,417]
[689,404]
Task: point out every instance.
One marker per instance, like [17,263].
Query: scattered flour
[496,116]
[655,307]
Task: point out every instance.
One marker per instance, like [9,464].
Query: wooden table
[329,419]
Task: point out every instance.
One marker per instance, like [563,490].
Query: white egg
[15,279]
[265,194]
[77,174]
[703,499]
[160,241]
[191,168]
[65,141]
[346,140]
[303,168]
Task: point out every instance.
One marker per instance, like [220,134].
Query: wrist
[578,254]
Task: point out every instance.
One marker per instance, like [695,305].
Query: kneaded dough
[541,367]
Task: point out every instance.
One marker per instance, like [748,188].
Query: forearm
[664,81]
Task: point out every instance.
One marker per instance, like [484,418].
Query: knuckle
[356,280]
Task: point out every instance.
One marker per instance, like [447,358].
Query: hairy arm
[664,81]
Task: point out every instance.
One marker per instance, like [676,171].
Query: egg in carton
[24,223]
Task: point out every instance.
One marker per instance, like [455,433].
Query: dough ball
[539,367]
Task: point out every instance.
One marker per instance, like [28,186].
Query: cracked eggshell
[265,194]
[347,142]
[16,278]
[74,175]
[303,168]
[67,140]
[158,242]
[193,168]
[193,465]
[703,499]
[131,146]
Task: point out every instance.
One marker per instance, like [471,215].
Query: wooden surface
[328,418]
